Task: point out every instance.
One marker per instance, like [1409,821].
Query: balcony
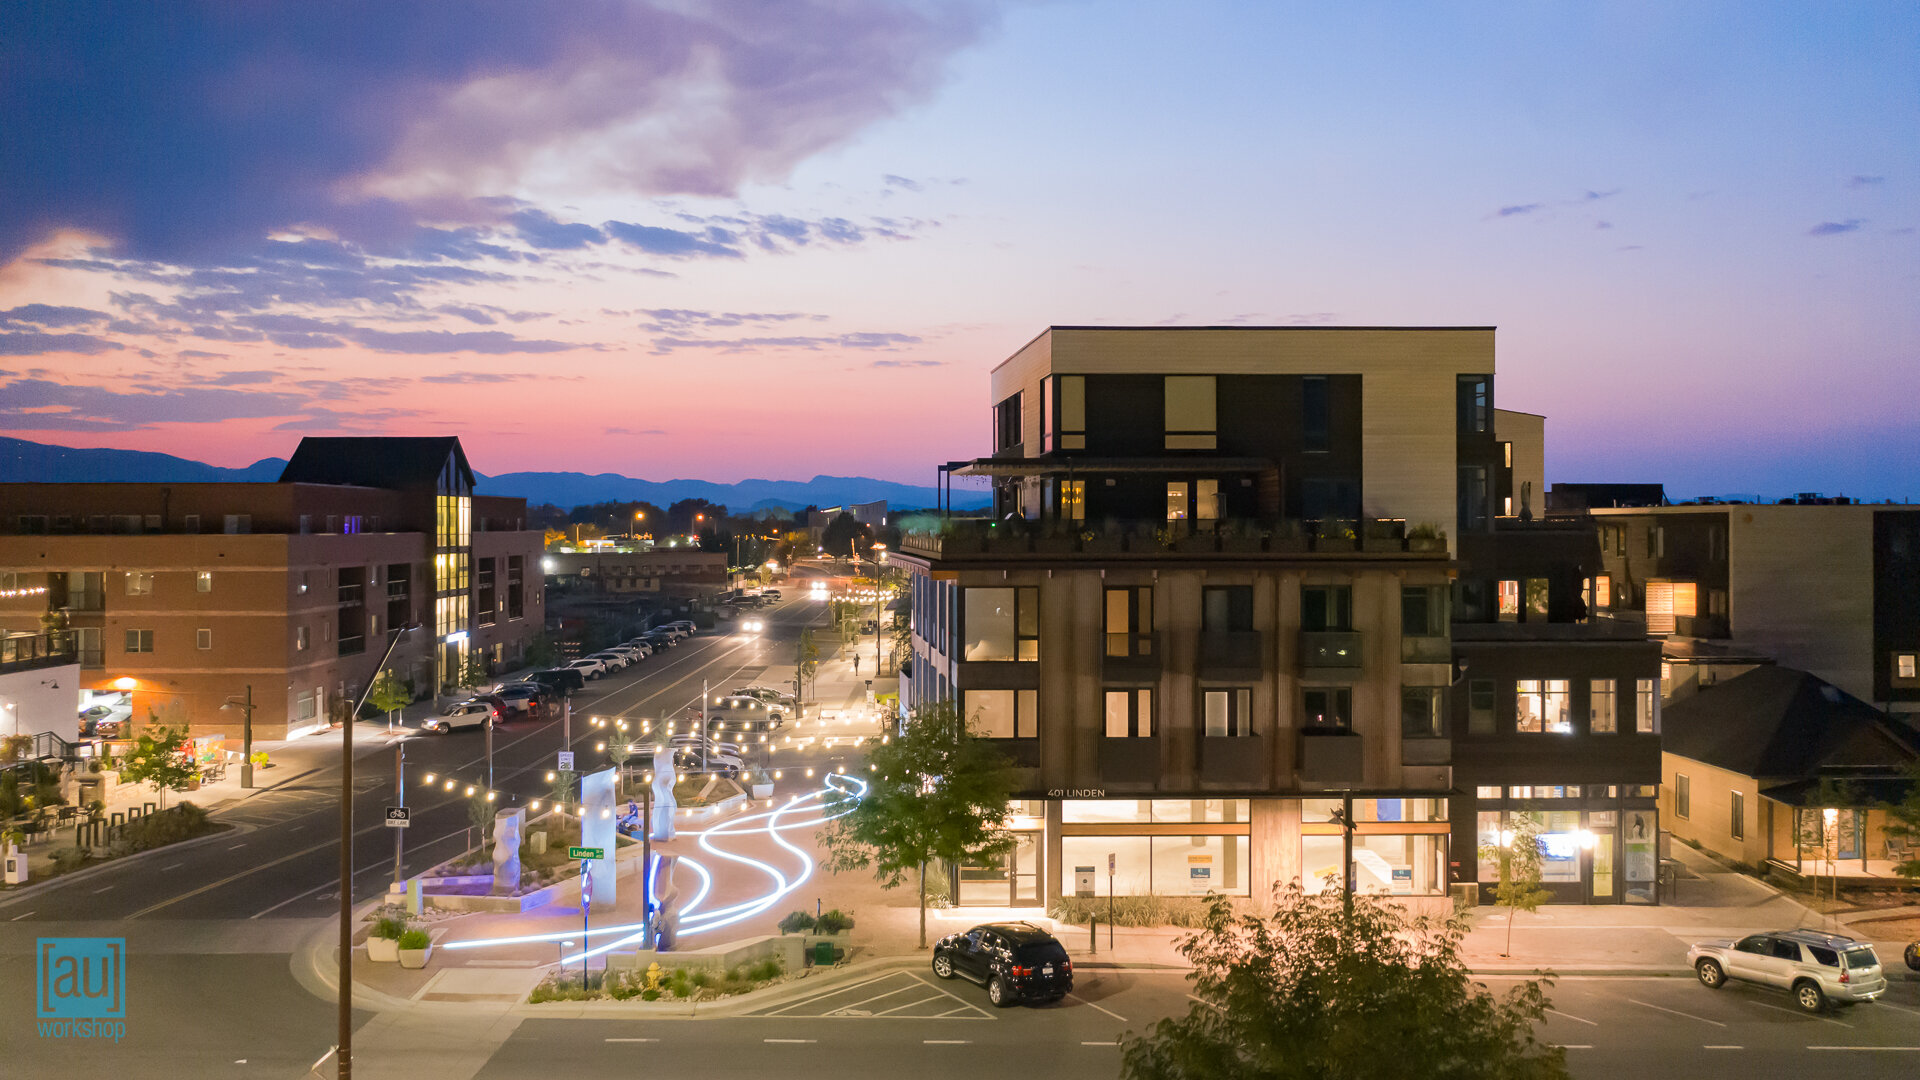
[1233,759]
[1426,650]
[27,652]
[1129,761]
[1231,654]
[1131,658]
[1426,751]
[1331,757]
[1329,653]
[1160,540]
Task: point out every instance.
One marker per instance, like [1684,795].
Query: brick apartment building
[184,595]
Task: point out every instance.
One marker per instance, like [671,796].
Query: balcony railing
[962,537]
[36,650]
[1131,656]
[1233,759]
[1229,653]
[1129,761]
[1336,649]
[1426,650]
[1333,756]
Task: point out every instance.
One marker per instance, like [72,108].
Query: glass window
[1737,817]
[1365,810]
[1073,412]
[1189,811]
[1002,624]
[1686,598]
[1602,591]
[1158,865]
[1487,826]
[203,581]
[1101,811]
[1388,865]
[1073,500]
[1682,795]
[1423,611]
[1537,599]
[301,637]
[1326,607]
[1475,392]
[1329,707]
[1420,713]
[1003,714]
[1487,792]
[1480,706]
[1129,714]
[1226,608]
[1601,715]
[203,638]
[139,584]
[1509,601]
[1543,705]
[1228,712]
[1560,846]
[1206,500]
[1190,412]
[1177,500]
[304,707]
[139,641]
[1646,718]
[1315,414]
[1904,665]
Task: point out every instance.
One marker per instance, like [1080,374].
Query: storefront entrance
[1013,880]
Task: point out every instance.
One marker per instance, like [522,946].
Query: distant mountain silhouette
[21,460]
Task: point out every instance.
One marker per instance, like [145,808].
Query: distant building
[871,514]
[176,597]
[680,572]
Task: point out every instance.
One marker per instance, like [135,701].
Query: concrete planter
[383,950]
[413,959]
[1426,543]
[762,791]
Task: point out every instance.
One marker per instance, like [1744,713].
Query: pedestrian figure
[856,663]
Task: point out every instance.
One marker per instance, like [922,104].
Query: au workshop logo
[81,990]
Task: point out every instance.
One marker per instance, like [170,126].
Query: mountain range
[22,460]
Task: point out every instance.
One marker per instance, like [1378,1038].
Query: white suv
[1817,968]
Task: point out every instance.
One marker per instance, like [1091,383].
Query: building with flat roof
[175,597]
[1242,588]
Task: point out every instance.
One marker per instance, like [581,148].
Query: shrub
[415,939]
[1183,911]
[158,829]
[832,922]
[797,922]
[389,928]
[766,970]
[68,858]
[650,995]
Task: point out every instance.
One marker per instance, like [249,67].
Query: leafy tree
[560,790]
[1519,859]
[1903,823]
[473,670]
[479,818]
[618,751]
[844,533]
[806,659]
[388,694]
[1315,992]
[541,652]
[936,791]
[1810,820]
[161,757]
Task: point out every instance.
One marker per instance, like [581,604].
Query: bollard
[1093,935]
[145,809]
[116,820]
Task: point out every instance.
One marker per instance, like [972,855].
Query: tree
[473,670]
[841,532]
[1518,856]
[388,694]
[541,652]
[618,751]
[1314,992]
[806,660]
[1903,824]
[161,757]
[1810,822]
[936,791]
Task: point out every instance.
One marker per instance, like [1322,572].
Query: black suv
[1016,961]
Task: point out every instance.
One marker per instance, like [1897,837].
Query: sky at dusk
[774,239]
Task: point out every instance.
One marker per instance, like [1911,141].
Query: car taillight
[1845,976]
[1066,965]
[1021,972]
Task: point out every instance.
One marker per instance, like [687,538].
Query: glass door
[1026,868]
[1602,892]
[1011,880]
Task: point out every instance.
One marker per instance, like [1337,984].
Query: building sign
[1199,874]
[1083,881]
[1076,793]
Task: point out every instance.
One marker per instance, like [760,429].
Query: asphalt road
[281,858]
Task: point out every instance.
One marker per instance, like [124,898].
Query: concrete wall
[41,699]
[1528,434]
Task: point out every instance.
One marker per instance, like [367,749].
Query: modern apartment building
[1827,586]
[186,595]
[682,572]
[1218,622]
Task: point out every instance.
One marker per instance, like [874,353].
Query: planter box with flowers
[383,941]
[414,947]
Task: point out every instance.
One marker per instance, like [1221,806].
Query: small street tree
[473,670]
[161,758]
[1812,830]
[541,652]
[1518,856]
[388,695]
[936,791]
[1315,992]
[1903,825]
[806,660]
[618,751]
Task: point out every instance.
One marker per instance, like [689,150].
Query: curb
[16,895]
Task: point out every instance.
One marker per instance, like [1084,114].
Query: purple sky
[774,239]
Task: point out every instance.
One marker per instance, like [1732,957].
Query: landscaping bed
[161,828]
[661,984]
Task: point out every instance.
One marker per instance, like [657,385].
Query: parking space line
[831,993]
[1723,1047]
[632,1040]
[1085,1043]
[1570,1016]
[945,1042]
[1906,1049]
[909,1005]
[1676,1012]
[1797,1012]
[950,1012]
[1103,1009]
[788,1040]
[1896,1008]
[876,997]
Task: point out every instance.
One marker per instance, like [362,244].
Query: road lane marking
[237,847]
[633,1040]
[1907,1049]
[945,1042]
[1569,1016]
[1676,1012]
[171,866]
[1085,1043]
[1103,1009]
[17,918]
[1798,1012]
[335,884]
[97,892]
[1723,1047]
[1897,1008]
[788,1040]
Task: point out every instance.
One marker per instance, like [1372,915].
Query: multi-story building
[1824,585]
[1216,621]
[186,595]
[681,571]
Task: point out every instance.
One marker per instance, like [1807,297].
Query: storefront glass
[1162,865]
[1175,811]
[1317,810]
[1388,865]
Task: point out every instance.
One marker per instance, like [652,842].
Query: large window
[1003,714]
[1395,865]
[1326,607]
[1006,423]
[1737,817]
[1682,796]
[1129,621]
[139,584]
[1142,811]
[139,641]
[1129,714]
[1328,708]
[1315,414]
[1646,716]
[1158,865]
[1423,611]
[1480,698]
[1226,608]
[1073,500]
[1475,394]
[1002,624]
[1421,713]
[1373,810]
[1073,412]
[1602,708]
[1179,506]
[1206,500]
[1543,705]
[1190,412]
[1228,712]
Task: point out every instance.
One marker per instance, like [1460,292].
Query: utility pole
[400,799]
[246,735]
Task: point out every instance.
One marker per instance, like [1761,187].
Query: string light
[469,790]
[429,778]
[534,805]
[449,785]
[490,796]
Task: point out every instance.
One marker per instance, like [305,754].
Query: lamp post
[1832,846]
[245,706]
[344,1062]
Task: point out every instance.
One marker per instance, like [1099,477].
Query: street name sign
[586,853]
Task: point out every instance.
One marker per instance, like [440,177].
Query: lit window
[1542,705]
[1003,714]
[1177,500]
[1206,500]
[1646,718]
[1190,412]
[139,584]
[203,581]
[203,639]
[302,637]
[1509,601]
[1129,714]
[1229,712]
[1073,500]
[1904,665]
[1600,707]
[1685,598]
[1602,591]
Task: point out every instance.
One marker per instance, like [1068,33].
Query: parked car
[563,679]
[589,667]
[1913,956]
[642,644]
[614,661]
[633,653]
[774,593]
[464,714]
[715,761]
[661,639]
[1817,968]
[523,698]
[766,695]
[1014,961]
[684,626]
[105,721]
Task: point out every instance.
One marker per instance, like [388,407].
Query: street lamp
[245,706]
